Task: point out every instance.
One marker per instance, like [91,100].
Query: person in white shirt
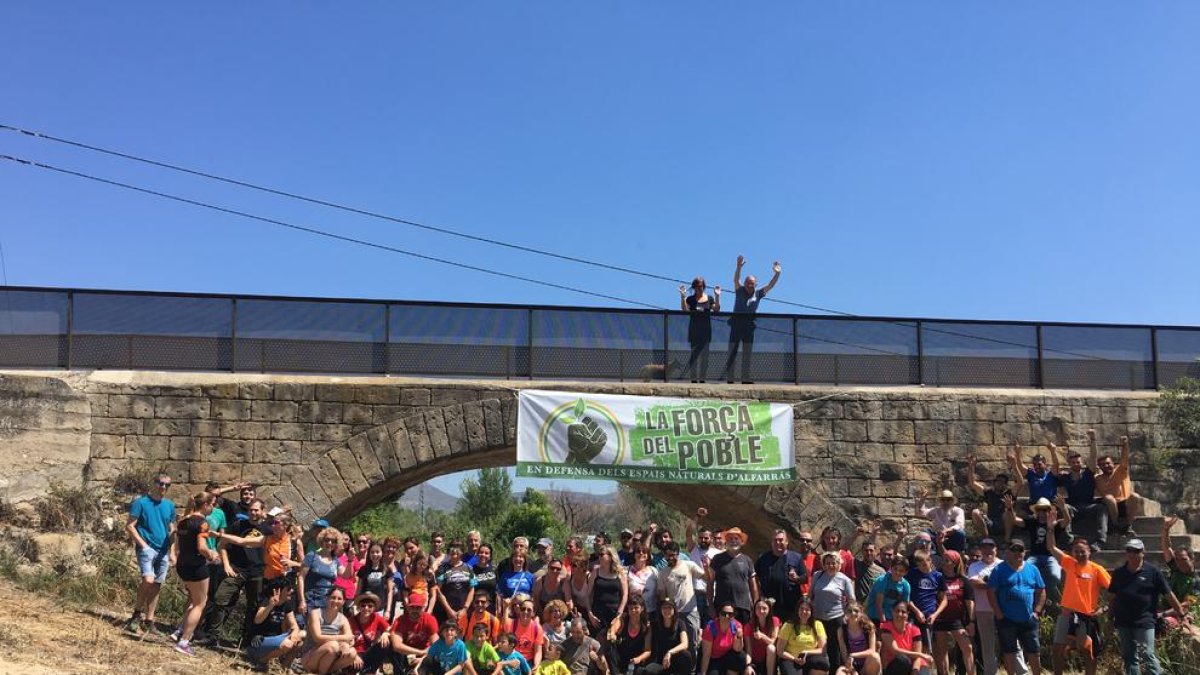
[984,628]
[948,519]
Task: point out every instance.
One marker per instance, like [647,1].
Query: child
[447,655]
[552,664]
[483,656]
[511,661]
[858,643]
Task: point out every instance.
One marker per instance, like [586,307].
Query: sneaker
[151,630]
[185,649]
[133,626]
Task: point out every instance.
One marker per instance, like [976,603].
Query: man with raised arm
[741,325]
[1136,589]
[991,522]
[1181,572]
[1116,489]
[1040,482]
[1077,625]
[1087,515]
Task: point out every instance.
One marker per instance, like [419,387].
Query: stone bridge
[333,446]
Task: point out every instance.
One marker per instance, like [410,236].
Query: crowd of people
[941,600]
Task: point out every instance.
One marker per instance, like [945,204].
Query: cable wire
[495,242]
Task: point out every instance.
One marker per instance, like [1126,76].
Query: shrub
[65,508]
[1180,406]
[136,478]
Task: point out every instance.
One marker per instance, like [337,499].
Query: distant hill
[438,500]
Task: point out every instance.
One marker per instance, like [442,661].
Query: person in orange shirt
[1082,582]
[277,546]
[1114,486]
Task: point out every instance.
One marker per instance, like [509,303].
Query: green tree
[532,518]
[485,500]
[1180,406]
[385,520]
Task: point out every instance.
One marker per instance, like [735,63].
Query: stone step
[1116,542]
[1151,508]
[1110,560]
[1151,526]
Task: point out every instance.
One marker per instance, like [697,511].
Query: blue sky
[921,159]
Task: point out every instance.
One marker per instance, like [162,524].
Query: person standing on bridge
[741,324]
[700,307]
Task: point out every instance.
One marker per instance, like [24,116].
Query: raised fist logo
[585,439]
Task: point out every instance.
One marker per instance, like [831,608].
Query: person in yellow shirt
[800,648]
[1115,487]
[552,664]
[1083,579]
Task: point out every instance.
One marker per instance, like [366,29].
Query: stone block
[990,412]
[947,453]
[310,489]
[824,410]
[446,396]
[225,390]
[259,391]
[335,433]
[979,432]
[863,410]
[249,431]
[210,428]
[293,391]
[456,429]
[107,447]
[225,473]
[893,471]
[474,424]
[856,487]
[99,404]
[889,488]
[184,448]
[380,440]
[320,412]
[904,410]
[854,467]
[274,411]
[368,462]
[349,469]
[226,450]
[289,497]
[377,395]
[1023,413]
[167,427]
[508,406]
[125,405]
[331,481]
[414,396]
[812,430]
[229,409]
[401,446]
[933,431]
[183,407]
[1086,415]
[277,452]
[357,413]
[493,421]
[1119,415]
[147,447]
[339,393]
[891,431]
[382,414]
[116,425]
[909,454]
[892,507]
[1015,432]
[291,431]
[262,474]
[435,430]
[850,430]
[834,487]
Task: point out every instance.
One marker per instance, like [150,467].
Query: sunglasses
[163,484]
[527,609]
[726,614]
[1017,549]
[363,541]
[807,541]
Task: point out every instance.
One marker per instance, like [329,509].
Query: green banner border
[650,474]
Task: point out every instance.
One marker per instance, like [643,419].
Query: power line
[375,245]
[494,242]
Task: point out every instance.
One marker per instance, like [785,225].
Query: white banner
[653,439]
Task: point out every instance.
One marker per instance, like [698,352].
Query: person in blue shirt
[511,661]
[888,591]
[924,581]
[447,655]
[151,526]
[1042,482]
[1017,594]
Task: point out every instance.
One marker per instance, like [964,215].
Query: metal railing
[53,328]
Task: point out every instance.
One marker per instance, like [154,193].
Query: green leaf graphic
[580,409]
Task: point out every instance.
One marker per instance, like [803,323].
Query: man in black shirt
[781,574]
[741,323]
[243,567]
[274,632]
[989,522]
[1089,517]
[731,577]
[1136,588]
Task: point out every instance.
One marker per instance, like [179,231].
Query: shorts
[154,564]
[1018,636]
[190,571]
[947,626]
[261,646]
[1069,623]
[1123,509]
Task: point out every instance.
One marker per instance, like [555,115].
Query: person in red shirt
[370,630]
[902,650]
[412,633]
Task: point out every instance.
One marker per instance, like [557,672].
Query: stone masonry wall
[336,445]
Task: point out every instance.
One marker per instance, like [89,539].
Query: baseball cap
[416,599]
[545,542]
[987,541]
[321,522]
[1135,545]
[1043,503]
[274,511]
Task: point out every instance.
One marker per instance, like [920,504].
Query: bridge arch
[387,459]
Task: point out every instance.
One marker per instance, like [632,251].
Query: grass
[68,509]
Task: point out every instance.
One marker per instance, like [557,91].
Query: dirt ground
[39,638]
